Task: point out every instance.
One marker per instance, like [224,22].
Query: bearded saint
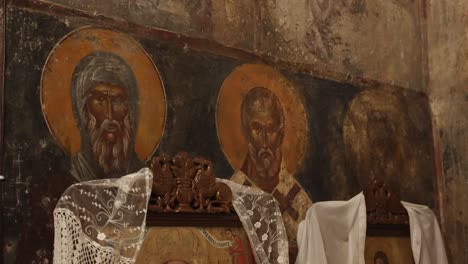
[262,121]
[104,98]
[104,93]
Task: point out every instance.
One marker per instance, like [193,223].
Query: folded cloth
[335,232]
[426,239]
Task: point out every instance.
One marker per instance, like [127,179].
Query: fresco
[385,137]
[264,137]
[299,137]
[103,101]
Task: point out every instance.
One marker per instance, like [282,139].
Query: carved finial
[383,205]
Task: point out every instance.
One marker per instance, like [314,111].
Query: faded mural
[98,108]
[264,137]
[448,93]
[379,39]
[104,103]
[347,36]
[103,100]
[385,137]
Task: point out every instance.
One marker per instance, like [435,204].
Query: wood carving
[206,187]
[163,181]
[182,184]
[384,206]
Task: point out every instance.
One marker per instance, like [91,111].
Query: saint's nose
[263,138]
[109,109]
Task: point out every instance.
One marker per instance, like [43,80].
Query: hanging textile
[335,232]
[262,221]
[102,221]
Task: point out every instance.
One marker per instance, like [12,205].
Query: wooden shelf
[193,219]
[398,230]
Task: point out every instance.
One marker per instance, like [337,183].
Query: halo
[56,82]
[228,114]
[355,131]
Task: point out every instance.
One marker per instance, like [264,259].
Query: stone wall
[378,39]
[447,88]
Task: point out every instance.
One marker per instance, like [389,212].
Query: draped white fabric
[102,221]
[427,243]
[262,221]
[334,232]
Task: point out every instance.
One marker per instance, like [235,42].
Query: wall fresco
[193,101]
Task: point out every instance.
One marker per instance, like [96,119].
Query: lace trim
[261,219]
[102,221]
[71,245]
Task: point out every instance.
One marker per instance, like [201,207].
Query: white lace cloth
[102,221]
[262,221]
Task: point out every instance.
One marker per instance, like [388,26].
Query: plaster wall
[448,93]
[378,39]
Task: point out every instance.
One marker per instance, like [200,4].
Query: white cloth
[102,221]
[427,243]
[334,232]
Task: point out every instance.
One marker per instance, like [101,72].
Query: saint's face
[384,153]
[264,129]
[108,102]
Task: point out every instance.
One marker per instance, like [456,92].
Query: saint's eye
[271,129]
[118,99]
[101,98]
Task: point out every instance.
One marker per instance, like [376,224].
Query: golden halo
[228,114]
[356,119]
[356,126]
[56,82]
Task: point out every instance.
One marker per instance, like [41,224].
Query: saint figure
[263,126]
[104,96]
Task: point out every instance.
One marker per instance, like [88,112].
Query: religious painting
[386,136]
[262,128]
[195,246]
[388,250]
[102,110]
[104,102]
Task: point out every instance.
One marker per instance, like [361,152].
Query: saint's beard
[267,161]
[111,156]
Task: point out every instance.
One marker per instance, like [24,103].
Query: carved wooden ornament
[383,206]
[185,184]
